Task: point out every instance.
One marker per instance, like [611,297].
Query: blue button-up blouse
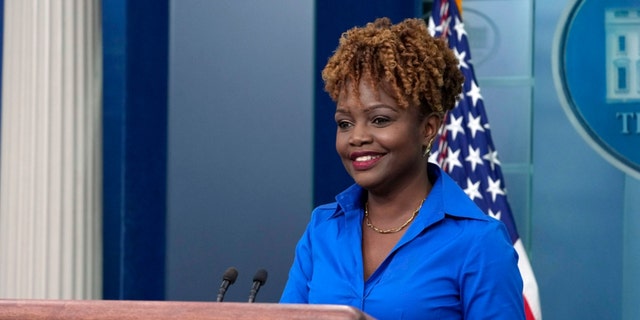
[454,262]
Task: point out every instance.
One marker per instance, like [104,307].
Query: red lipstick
[364,160]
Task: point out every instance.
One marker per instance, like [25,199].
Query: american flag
[465,150]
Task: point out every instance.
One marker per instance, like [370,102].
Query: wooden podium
[161,310]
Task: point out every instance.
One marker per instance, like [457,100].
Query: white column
[51,150]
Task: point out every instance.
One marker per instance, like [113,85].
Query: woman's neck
[400,201]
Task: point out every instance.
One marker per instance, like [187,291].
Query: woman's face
[380,144]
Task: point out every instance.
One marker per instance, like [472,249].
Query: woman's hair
[411,66]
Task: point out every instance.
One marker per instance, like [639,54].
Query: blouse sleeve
[491,285]
[297,290]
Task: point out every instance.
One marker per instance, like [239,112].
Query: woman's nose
[359,135]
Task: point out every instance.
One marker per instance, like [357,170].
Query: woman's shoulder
[347,202]
[325,210]
[325,217]
[481,229]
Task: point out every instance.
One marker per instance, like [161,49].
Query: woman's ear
[431,125]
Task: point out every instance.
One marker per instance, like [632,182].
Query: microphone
[258,280]
[228,278]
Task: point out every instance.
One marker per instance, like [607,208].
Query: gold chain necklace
[367,221]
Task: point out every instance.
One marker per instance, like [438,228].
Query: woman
[404,242]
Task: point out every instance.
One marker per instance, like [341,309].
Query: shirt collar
[445,197]
[349,200]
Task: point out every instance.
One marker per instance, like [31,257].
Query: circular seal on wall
[596,69]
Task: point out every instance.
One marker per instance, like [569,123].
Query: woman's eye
[344,124]
[380,120]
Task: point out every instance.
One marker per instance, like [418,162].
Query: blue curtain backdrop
[135,44]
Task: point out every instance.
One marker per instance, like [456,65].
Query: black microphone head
[261,276]
[230,275]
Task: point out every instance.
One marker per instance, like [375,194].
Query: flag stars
[474,124]
[459,28]
[434,156]
[494,189]
[492,157]
[455,126]
[462,63]
[472,189]
[433,28]
[453,160]
[474,93]
[473,158]
[495,215]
